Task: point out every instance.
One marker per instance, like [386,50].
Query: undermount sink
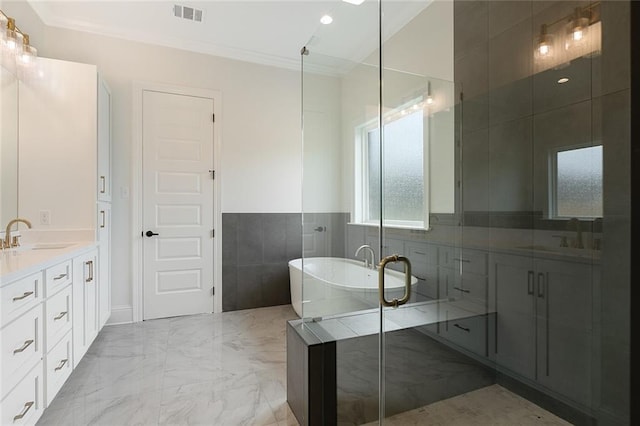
[47,246]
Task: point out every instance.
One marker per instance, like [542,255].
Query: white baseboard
[121,315]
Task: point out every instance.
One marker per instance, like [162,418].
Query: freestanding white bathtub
[333,285]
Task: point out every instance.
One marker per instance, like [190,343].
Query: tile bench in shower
[332,373]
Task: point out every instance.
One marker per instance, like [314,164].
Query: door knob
[150,234]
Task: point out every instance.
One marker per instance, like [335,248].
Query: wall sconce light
[15,45]
[544,49]
[577,28]
[573,36]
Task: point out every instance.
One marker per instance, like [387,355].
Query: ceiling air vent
[187,12]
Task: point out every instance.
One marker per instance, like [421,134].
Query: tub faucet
[575,223]
[368,248]
[7,243]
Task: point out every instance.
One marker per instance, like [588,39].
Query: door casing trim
[137,278]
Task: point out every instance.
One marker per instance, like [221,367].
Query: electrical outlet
[45,217]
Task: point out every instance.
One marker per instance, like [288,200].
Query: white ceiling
[263,31]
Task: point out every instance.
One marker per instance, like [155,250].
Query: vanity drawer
[58,317]
[470,333]
[422,253]
[56,277]
[20,296]
[470,261]
[25,404]
[22,347]
[58,367]
[468,286]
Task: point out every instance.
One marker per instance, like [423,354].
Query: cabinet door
[515,327]
[85,303]
[424,266]
[563,294]
[104,141]
[104,262]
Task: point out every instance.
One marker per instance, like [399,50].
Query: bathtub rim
[358,263]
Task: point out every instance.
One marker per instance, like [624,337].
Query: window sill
[393,226]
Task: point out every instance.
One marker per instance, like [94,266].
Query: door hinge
[213,174]
[213,117]
[213,291]
[213,233]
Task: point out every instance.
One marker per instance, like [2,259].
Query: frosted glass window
[578,191]
[403,165]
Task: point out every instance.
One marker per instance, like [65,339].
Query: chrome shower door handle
[407,280]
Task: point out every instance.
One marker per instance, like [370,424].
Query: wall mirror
[8,146]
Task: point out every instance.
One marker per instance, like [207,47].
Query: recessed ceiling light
[356,2]
[563,80]
[326,19]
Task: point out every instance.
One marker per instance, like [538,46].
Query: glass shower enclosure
[456,194]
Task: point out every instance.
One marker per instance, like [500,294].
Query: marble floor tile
[491,405]
[223,369]
[230,369]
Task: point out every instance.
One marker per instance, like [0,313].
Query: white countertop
[16,263]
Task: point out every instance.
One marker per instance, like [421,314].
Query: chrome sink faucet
[8,242]
[368,249]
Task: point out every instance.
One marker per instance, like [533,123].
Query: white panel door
[177,204]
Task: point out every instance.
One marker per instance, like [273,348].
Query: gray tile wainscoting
[256,248]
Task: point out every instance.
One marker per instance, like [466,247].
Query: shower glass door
[420,234]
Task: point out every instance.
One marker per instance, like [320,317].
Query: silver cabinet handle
[104,185]
[462,290]
[468,330]
[103,221]
[421,253]
[530,283]
[61,365]
[407,280]
[459,259]
[24,296]
[61,276]
[90,275]
[541,289]
[22,348]
[60,315]
[25,410]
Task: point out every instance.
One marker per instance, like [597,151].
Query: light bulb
[577,35]
[543,49]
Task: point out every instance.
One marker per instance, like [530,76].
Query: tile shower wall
[256,248]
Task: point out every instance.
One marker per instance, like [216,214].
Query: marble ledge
[20,262]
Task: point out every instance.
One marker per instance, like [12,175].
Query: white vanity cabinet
[462,276]
[86,303]
[104,257]
[51,313]
[65,156]
[544,321]
[104,141]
